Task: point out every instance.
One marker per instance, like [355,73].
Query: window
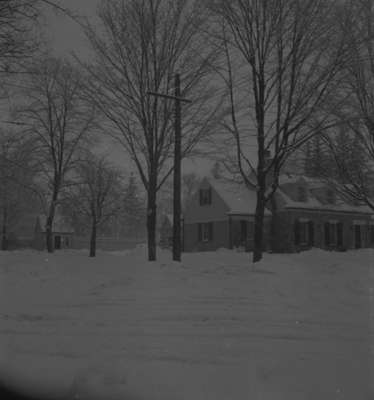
[304,232]
[372,233]
[333,233]
[301,194]
[205,196]
[205,232]
[330,196]
[339,232]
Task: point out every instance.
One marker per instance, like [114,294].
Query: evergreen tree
[134,209]
[317,158]
[350,159]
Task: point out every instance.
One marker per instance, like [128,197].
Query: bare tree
[97,195]
[60,120]
[282,59]
[352,144]
[142,45]
[19,26]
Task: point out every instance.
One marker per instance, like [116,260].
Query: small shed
[62,233]
[166,231]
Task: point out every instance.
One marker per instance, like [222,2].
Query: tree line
[274,76]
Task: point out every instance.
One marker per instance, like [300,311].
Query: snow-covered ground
[118,327]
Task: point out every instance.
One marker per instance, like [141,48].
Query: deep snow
[117,327]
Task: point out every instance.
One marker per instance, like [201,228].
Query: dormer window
[330,196]
[205,196]
[301,194]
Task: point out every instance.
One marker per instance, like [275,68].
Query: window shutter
[211,231]
[210,196]
[311,233]
[200,232]
[340,233]
[201,196]
[297,232]
[327,234]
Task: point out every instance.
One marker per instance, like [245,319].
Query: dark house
[62,231]
[309,213]
[305,213]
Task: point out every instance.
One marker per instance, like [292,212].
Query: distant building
[29,232]
[62,233]
[305,213]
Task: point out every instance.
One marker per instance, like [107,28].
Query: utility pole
[177,208]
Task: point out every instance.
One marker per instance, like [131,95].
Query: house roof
[313,203]
[242,201]
[238,198]
[60,224]
[311,183]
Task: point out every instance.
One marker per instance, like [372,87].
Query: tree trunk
[151,219]
[4,239]
[273,229]
[177,242]
[259,222]
[49,224]
[261,174]
[93,239]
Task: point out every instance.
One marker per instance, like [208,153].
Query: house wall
[220,237]
[285,235]
[216,212]
[249,243]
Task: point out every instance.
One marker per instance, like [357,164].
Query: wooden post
[230,233]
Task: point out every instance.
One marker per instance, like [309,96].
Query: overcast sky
[64,33]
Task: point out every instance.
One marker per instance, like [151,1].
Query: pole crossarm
[168,96]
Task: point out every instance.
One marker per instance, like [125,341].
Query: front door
[57,242]
[357,236]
